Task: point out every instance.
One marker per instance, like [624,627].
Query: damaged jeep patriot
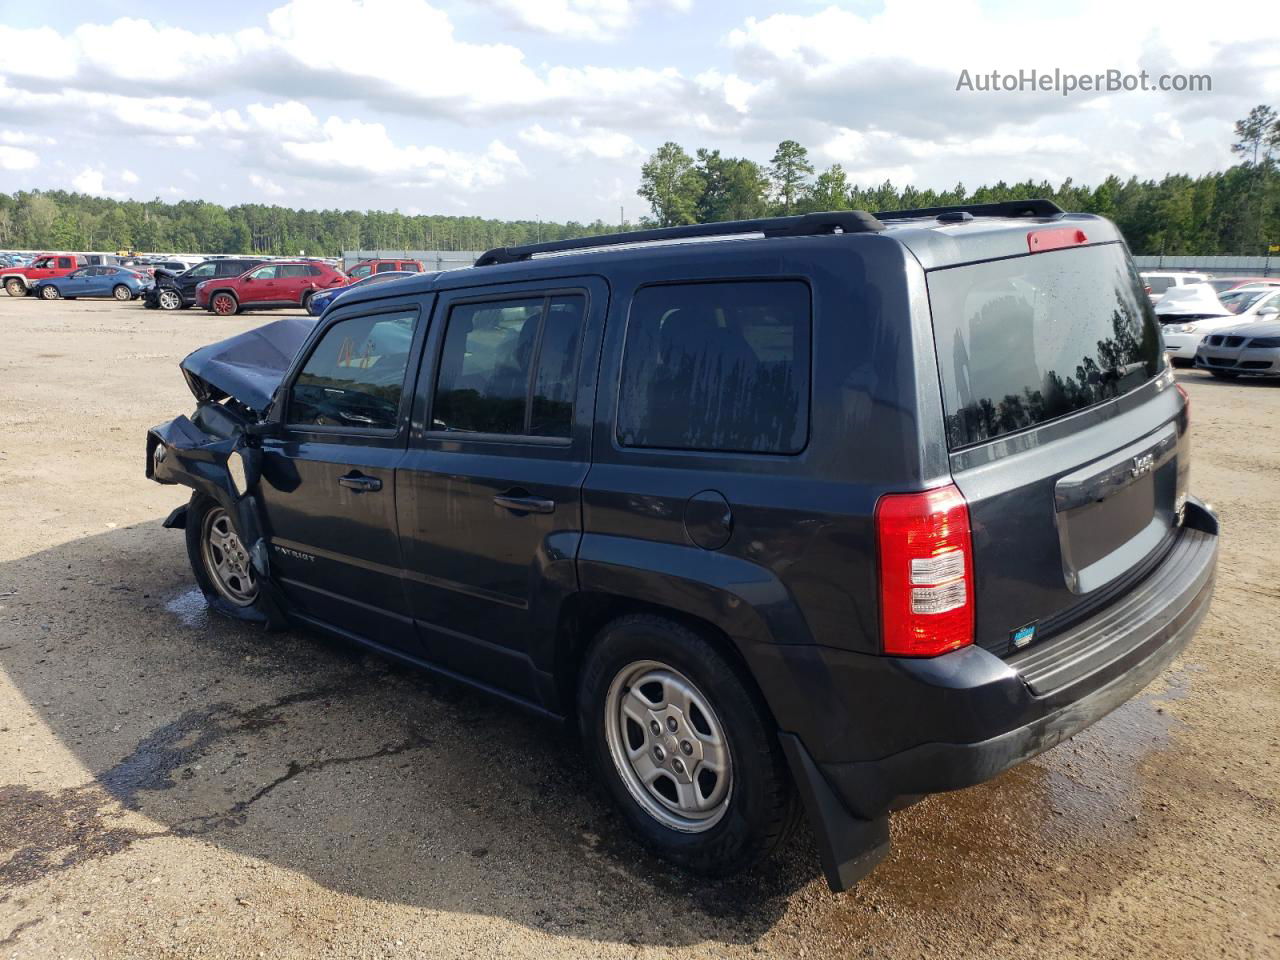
[798,516]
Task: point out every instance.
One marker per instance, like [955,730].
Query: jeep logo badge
[1142,465]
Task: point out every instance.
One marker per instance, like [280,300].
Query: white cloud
[92,181]
[20,138]
[269,187]
[583,142]
[599,20]
[18,158]
[128,176]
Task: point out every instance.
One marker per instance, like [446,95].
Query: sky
[547,108]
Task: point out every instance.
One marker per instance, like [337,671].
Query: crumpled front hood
[247,367]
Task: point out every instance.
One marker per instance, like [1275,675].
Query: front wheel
[219,559]
[121,292]
[306,301]
[169,299]
[15,287]
[224,305]
[49,293]
[685,746]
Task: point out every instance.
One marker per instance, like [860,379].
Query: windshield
[1029,339]
[1242,300]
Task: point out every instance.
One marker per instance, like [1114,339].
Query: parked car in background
[1223,284]
[177,291]
[763,559]
[120,283]
[1158,283]
[18,281]
[321,301]
[1246,349]
[281,283]
[366,267]
[1186,318]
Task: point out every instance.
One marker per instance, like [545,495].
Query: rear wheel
[685,746]
[224,304]
[49,293]
[121,292]
[15,287]
[169,299]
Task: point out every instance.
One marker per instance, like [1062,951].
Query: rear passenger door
[488,496]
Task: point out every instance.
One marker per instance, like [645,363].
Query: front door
[488,495]
[329,479]
[261,285]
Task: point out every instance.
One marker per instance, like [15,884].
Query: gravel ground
[175,785]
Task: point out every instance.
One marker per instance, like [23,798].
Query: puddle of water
[1084,794]
[191,608]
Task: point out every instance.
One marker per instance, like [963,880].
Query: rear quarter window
[717,366]
[1029,339]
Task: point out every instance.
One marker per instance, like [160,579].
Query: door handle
[524,504]
[360,483]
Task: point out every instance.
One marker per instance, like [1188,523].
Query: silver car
[1250,348]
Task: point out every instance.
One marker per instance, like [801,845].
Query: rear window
[1029,339]
[1159,284]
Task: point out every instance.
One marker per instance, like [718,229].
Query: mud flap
[848,846]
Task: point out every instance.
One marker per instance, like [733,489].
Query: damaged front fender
[226,469]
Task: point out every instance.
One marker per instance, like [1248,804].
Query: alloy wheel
[226,560]
[668,746]
[169,299]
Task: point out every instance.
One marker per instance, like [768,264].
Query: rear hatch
[1067,436]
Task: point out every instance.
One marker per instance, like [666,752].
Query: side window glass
[314,271]
[64,262]
[717,366]
[204,270]
[355,375]
[509,367]
[265,273]
[384,267]
[358,272]
[410,266]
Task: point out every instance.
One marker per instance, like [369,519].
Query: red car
[18,281]
[367,267]
[281,283]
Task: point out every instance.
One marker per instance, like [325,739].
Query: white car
[1199,315]
[1158,283]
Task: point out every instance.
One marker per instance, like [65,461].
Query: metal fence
[1222,266]
[431,259]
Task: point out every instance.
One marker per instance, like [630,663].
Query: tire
[121,292]
[648,665]
[306,302]
[168,299]
[224,304]
[220,563]
[15,287]
[49,292]
[1223,374]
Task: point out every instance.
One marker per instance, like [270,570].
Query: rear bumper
[962,718]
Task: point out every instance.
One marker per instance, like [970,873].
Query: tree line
[1233,211]
[58,220]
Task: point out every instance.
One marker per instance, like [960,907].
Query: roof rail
[1004,208]
[805,225]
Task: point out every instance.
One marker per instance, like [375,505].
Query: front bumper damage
[180,452]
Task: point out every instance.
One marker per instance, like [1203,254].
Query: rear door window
[1029,339]
[510,367]
[717,366]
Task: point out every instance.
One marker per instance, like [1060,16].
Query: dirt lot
[174,786]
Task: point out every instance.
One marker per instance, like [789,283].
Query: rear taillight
[1186,401]
[926,572]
